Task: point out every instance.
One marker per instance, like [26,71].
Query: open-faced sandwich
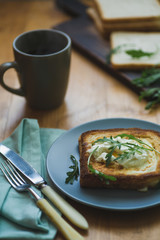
[120,158]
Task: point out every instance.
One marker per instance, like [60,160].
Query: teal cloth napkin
[20,218]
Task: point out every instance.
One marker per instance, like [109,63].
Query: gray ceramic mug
[42,61]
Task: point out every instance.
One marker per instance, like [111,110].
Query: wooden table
[92,94]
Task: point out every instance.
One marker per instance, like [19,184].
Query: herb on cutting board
[134,53]
[73,175]
[153,94]
[148,78]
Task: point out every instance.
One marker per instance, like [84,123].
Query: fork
[19,184]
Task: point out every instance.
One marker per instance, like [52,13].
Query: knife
[33,177]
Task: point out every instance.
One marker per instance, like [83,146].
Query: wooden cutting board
[89,42]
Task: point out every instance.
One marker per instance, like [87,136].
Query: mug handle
[3,68]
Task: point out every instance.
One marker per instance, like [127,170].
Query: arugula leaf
[105,140]
[130,136]
[139,53]
[125,155]
[153,94]
[109,155]
[89,158]
[101,175]
[147,78]
[134,148]
[73,175]
[96,172]
[112,51]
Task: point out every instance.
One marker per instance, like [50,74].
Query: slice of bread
[147,42]
[152,25]
[122,10]
[135,172]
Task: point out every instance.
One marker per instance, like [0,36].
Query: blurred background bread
[137,15]
[148,43]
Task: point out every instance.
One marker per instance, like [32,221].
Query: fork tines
[11,174]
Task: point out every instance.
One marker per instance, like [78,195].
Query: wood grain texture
[92,94]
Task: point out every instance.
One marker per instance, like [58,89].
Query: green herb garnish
[132,147]
[73,175]
[109,155]
[129,136]
[148,78]
[115,145]
[112,51]
[101,175]
[134,53]
[139,53]
[153,94]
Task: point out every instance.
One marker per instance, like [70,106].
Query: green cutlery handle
[67,231]
[72,214]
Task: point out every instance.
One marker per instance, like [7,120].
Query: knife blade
[34,178]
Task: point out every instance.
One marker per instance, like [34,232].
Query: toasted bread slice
[127,10]
[135,172]
[146,42]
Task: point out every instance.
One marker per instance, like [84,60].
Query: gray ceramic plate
[58,162]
